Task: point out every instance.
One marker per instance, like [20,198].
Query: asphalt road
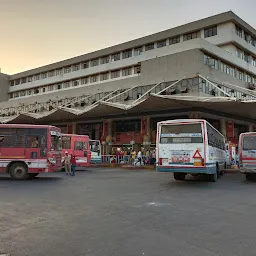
[111,212]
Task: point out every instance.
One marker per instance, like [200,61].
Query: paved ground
[111,212]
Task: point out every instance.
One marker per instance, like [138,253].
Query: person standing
[133,156]
[154,157]
[67,163]
[139,156]
[73,164]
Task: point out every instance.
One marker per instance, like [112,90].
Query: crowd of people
[139,158]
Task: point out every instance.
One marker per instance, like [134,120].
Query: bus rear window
[181,133]
[249,143]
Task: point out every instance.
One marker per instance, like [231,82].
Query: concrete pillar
[109,136]
[251,128]
[147,134]
[223,127]
[74,128]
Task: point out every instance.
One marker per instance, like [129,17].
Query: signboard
[230,129]
[180,157]
[197,154]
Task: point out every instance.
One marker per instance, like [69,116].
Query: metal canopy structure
[229,106]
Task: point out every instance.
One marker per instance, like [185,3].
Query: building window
[161,43]
[115,74]
[212,31]
[227,69]
[30,79]
[66,85]
[76,83]
[137,51]
[127,54]
[16,95]
[50,87]
[174,40]
[85,65]
[104,77]
[84,80]
[51,73]
[76,67]
[44,89]
[37,77]
[239,53]
[94,62]
[240,75]
[254,62]
[248,78]
[247,57]
[29,92]
[126,72]
[115,57]
[211,62]
[93,79]
[67,69]
[58,86]
[23,80]
[192,35]
[22,93]
[58,71]
[239,31]
[253,41]
[104,60]
[12,83]
[36,91]
[11,95]
[149,47]
[43,75]
[17,82]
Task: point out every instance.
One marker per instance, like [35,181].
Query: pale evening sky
[39,32]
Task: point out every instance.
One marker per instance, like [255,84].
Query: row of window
[85,80]
[245,56]
[229,70]
[208,32]
[246,36]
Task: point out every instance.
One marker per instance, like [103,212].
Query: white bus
[95,148]
[190,146]
[247,154]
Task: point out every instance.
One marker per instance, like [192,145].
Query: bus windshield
[181,133]
[94,146]
[249,143]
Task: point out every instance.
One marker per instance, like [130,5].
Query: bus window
[79,145]
[249,143]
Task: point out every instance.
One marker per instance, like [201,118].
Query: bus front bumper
[188,170]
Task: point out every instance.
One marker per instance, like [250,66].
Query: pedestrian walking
[73,164]
[67,163]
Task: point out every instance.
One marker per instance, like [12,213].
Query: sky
[39,32]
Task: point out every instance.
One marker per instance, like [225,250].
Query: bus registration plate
[180,156]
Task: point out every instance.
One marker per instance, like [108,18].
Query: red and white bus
[77,145]
[247,154]
[27,150]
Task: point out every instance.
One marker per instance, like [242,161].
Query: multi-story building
[214,58]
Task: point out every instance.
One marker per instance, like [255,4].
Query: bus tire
[32,175]
[19,171]
[213,177]
[179,176]
[249,176]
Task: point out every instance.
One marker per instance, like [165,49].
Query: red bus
[77,145]
[27,150]
[247,154]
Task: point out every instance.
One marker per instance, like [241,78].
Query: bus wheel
[19,171]
[179,176]
[249,176]
[213,177]
[32,175]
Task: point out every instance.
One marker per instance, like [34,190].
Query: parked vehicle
[247,154]
[95,148]
[27,150]
[77,145]
[190,146]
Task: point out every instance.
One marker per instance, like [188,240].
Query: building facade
[209,60]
